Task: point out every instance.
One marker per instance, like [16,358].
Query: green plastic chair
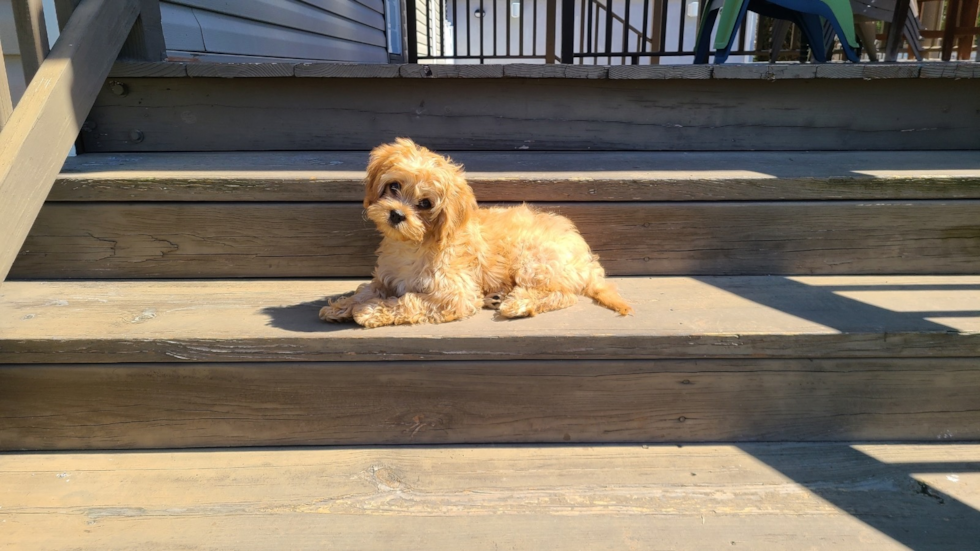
[837,12]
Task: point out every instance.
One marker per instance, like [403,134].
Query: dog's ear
[458,205]
[381,160]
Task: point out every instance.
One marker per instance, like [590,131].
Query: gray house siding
[264,30]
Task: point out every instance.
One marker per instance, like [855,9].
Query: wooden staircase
[816,311]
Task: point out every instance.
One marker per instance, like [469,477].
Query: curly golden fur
[443,258]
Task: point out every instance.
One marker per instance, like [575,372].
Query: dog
[443,258]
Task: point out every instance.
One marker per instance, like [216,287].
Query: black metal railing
[592,32]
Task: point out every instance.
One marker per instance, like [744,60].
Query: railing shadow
[885,496]
[822,304]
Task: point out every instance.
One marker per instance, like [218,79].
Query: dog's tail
[606,295]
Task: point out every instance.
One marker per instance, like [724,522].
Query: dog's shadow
[304,318]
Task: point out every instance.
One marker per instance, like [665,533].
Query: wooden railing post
[64,9]
[145,41]
[32,35]
[41,131]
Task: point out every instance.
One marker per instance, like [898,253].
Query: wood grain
[761,496]
[537,114]
[525,70]
[950,70]
[748,71]
[531,176]
[640,72]
[239,70]
[148,69]
[37,138]
[345,70]
[211,405]
[152,240]
[450,71]
[693,318]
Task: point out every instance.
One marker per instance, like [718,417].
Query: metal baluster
[646,22]
[588,44]
[534,30]
[741,36]
[507,26]
[494,28]
[428,29]
[680,28]
[626,29]
[520,27]
[663,24]
[608,33]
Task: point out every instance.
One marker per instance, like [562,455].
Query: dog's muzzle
[395,217]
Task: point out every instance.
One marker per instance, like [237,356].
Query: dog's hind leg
[523,302]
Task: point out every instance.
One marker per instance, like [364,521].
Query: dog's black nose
[396,217]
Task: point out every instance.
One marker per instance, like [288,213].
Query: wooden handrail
[43,127]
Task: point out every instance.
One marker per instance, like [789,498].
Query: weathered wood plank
[531,176]
[450,71]
[346,70]
[523,70]
[32,35]
[389,403]
[708,317]
[667,72]
[538,114]
[950,70]
[760,496]
[239,70]
[749,71]
[37,138]
[148,69]
[124,240]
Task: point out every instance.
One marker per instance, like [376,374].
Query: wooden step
[501,176]
[760,497]
[299,214]
[123,365]
[743,108]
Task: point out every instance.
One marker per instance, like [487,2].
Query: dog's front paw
[493,300]
[372,314]
[336,313]
[339,308]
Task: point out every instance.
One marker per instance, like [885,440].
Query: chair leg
[866,32]
[780,28]
[896,30]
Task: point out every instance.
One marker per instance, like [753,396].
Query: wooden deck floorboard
[760,497]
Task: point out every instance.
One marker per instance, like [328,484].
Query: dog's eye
[425,204]
[394,188]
